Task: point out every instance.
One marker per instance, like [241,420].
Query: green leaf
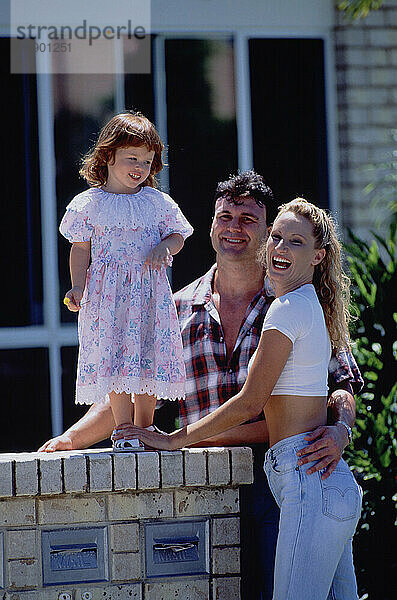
[385,458]
[386,244]
[357,9]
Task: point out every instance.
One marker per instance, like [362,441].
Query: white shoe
[123,445]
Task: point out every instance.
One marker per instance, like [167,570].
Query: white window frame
[54,334]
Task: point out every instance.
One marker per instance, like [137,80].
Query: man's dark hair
[247,184]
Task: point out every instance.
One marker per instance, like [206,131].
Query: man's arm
[342,406]
[243,435]
[96,425]
[328,442]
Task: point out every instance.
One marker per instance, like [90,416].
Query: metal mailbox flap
[177,548]
[75,555]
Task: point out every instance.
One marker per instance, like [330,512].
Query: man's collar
[204,289]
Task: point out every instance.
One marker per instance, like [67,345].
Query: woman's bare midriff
[289,415]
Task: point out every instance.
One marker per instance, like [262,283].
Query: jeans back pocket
[341,495]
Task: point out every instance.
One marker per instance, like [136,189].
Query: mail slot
[177,548]
[74,555]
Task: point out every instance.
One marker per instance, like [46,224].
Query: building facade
[289,88]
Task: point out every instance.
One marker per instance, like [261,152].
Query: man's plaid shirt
[211,379]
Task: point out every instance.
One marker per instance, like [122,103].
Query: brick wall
[366,60]
[121,492]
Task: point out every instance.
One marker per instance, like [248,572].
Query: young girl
[130,342]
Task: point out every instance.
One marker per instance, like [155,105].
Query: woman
[288,380]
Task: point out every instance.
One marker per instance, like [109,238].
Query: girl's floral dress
[129,333]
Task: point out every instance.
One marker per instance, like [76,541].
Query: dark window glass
[138,91]
[82,105]
[25,403]
[201,137]
[21,260]
[288,117]
[72,412]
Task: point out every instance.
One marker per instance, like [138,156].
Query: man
[221,316]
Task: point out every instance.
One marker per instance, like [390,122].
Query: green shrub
[357,9]
[374,455]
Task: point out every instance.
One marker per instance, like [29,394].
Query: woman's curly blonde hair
[123,130]
[330,282]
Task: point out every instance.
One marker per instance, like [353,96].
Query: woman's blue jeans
[314,558]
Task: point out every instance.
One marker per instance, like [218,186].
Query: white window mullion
[331,126]
[37,336]
[243,102]
[119,100]
[56,388]
[49,227]
[160,103]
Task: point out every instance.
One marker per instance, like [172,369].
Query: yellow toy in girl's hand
[66,300]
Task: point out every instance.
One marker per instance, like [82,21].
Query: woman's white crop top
[299,316]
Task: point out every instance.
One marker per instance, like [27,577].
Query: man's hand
[327,445]
[60,442]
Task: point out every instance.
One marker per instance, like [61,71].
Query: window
[24,379]
[206,94]
[21,302]
[202,138]
[82,104]
[288,117]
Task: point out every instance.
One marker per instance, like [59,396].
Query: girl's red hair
[123,130]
